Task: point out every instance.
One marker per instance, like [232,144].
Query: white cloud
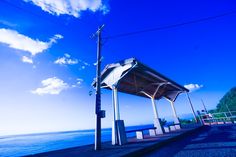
[70,7]
[105,9]
[83,65]
[58,36]
[66,60]
[21,42]
[7,23]
[26,59]
[67,55]
[52,86]
[78,83]
[193,87]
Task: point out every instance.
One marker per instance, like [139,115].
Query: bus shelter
[133,77]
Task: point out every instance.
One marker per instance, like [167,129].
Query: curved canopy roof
[132,77]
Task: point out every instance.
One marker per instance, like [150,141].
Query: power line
[168,26]
[28,11]
[52,20]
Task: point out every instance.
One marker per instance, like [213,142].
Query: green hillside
[229,99]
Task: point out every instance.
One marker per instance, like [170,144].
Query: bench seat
[172,127]
[140,132]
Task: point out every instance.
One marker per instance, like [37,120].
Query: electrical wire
[30,12]
[168,26]
[52,20]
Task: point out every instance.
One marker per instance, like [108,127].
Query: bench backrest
[142,129]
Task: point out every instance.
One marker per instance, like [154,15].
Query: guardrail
[218,118]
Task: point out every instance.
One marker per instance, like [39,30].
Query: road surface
[214,141]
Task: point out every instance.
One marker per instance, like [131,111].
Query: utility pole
[204,106]
[98,111]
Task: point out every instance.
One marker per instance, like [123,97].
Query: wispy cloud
[79,82]
[7,23]
[66,59]
[193,87]
[83,65]
[70,7]
[55,86]
[21,42]
[52,86]
[26,59]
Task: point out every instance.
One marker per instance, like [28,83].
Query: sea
[29,144]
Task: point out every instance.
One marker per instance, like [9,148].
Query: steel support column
[157,123]
[176,119]
[191,106]
[118,127]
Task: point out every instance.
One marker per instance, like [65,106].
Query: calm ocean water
[20,145]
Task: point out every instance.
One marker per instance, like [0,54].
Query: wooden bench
[140,132]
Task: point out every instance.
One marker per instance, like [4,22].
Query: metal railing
[219,117]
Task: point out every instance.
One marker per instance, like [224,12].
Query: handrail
[218,117]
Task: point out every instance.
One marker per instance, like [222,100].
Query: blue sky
[47,58]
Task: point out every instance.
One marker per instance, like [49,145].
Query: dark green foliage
[163,121]
[185,121]
[229,99]
[212,111]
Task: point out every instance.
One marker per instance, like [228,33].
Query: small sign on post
[102,113]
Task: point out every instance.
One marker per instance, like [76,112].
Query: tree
[186,121]
[163,121]
[228,101]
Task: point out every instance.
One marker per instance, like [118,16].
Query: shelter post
[118,127]
[176,119]
[191,106]
[157,123]
[114,130]
[116,104]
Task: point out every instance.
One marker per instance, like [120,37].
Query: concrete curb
[153,147]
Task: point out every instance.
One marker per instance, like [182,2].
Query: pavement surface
[196,141]
[212,141]
[133,148]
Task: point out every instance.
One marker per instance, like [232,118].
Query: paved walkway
[132,148]
[213,141]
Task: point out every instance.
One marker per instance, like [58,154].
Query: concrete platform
[134,147]
[212,141]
